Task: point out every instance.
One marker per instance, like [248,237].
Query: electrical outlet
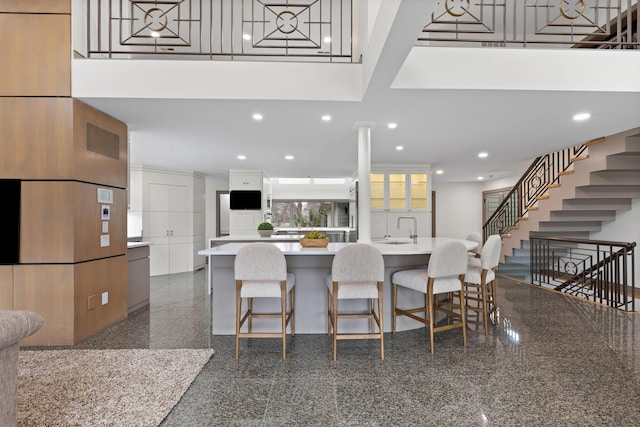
[105,298]
[91,302]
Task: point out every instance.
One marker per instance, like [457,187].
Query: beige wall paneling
[92,279]
[36,54]
[48,291]
[88,223]
[36,137]
[6,287]
[36,6]
[61,222]
[47,222]
[46,138]
[89,165]
[60,294]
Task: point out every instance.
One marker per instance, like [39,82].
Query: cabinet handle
[172,232]
[167,232]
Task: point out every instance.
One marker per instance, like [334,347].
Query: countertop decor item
[314,239]
[265,229]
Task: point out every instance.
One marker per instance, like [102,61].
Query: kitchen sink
[392,242]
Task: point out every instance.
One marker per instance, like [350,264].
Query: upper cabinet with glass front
[394,190]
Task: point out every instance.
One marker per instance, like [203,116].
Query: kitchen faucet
[414,233]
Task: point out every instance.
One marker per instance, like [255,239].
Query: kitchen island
[335,234]
[311,267]
[217,241]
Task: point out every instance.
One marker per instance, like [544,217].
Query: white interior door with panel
[168,228]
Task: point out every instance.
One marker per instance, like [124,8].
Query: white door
[168,228]
[159,223]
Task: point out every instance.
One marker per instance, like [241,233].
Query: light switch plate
[105,298]
[105,195]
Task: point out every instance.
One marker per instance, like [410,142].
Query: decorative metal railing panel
[595,270]
[544,170]
[604,24]
[311,30]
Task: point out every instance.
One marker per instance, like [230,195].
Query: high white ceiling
[445,127]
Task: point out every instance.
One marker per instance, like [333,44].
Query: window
[316,213]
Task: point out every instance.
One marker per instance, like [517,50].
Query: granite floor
[550,361]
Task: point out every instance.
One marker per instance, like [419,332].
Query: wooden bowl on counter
[314,243]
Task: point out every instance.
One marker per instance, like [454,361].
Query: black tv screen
[10,219]
[245,200]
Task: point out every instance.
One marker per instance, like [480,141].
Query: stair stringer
[580,177]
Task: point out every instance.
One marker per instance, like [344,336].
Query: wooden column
[63,152]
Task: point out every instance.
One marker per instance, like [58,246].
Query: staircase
[597,186]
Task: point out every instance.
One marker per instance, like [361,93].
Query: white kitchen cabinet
[168,228]
[245,222]
[400,192]
[240,179]
[171,205]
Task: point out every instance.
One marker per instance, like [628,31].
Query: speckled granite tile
[548,360]
[215,400]
[302,400]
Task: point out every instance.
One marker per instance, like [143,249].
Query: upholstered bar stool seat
[357,272]
[444,275]
[265,289]
[261,272]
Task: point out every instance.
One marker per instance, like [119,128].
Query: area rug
[103,387]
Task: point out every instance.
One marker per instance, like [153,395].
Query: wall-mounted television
[245,200]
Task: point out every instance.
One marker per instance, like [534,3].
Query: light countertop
[398,246]
[256,238]
[137,244]
[303,230]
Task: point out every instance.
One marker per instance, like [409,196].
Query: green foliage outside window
[306,214]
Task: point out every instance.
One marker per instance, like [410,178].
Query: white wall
[310,191]
[626,228]
[520,69]
[508,181]
[458,209]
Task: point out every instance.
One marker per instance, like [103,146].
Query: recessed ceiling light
[581,116]
[439,171]
[257,116]
[155,34]
[288,157]
[392,125]
[399,148]
[327,39]
[480,178]
[483,155]
[242,157]
[246,36]
[326,117]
